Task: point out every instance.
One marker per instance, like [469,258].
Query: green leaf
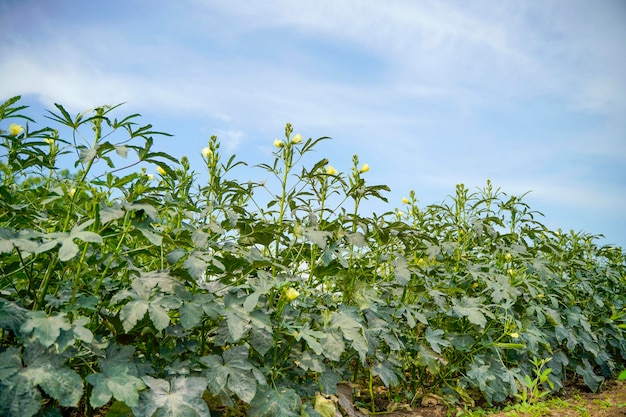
[108,214]
[434,337]
[385,370]
[333,344]
[10,363]
[12,315]
[61,383]
[119,409]
[199,238]
[237,318]
[312,338]
[190,314]
[158,314]
[269,402]
[481,374]
[180,397]
[45,329]
[430,359]
[316,236]
[233,371]
[592,380]
[19,398]
[152,237]
[346,320]
[502,290]
[401,270]
[195,266]
[68,249]
[132,312]
[41,368]
[470,308]
[114,381]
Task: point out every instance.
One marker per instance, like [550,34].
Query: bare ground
[611,402]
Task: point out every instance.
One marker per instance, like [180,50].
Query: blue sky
[531,94]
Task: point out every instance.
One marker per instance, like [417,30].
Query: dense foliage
[169,296]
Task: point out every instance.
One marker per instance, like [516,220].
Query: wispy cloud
[531,95]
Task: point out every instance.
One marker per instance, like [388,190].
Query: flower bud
[161,170]
[330,170]
[279,143]
[405,200]
[364,168]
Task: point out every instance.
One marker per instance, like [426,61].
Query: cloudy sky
[531,94]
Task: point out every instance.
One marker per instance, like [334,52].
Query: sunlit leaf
[45,329]
[180,397]
[434,337]
[114,382]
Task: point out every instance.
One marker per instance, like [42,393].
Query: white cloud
[423,73]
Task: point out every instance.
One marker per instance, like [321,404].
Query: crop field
[129,287]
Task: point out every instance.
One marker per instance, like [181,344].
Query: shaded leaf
[269,402]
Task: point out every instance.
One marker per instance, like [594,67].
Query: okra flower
[364,168]
[279,143]
[514,335]
[49,141]
[330,170]
[71,192]
[160,170]
[405,200]
[291,294]
[206,152]
[15,129]
[296,139]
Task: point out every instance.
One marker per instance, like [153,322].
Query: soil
[611,402]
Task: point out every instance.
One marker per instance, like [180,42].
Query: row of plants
[186,293]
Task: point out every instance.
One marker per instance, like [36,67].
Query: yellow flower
[49,141]
[291,294]
[508,257]
[364,168]
[160,170]
[150,177]
[405,200]
[296,139]
[279,143]
[71,192]
[514,335]
[206,152]
[399,213]
[15,129]
[330,170]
